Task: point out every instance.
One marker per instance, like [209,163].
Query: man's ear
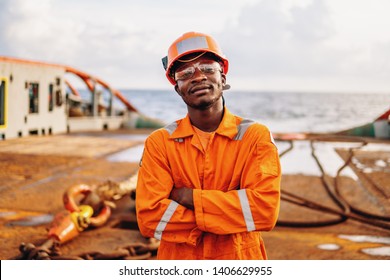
[177,89]
[223,78]
[225,86]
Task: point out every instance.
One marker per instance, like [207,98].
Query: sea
[280,111]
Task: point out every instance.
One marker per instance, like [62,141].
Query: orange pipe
[72,88]
[87,79]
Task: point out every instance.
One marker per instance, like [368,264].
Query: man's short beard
[204,105]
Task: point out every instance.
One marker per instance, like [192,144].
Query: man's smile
[199,89]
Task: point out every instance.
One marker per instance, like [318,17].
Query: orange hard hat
[192,42]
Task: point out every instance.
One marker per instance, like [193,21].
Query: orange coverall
[236,183]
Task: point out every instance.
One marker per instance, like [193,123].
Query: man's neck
[207,120]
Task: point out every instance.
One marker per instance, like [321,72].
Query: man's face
[200,82]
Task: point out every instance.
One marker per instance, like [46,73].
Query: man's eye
[207,68]
[187,73]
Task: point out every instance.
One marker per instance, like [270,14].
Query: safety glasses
[205,68]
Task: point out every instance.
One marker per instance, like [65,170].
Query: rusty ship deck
[35,171]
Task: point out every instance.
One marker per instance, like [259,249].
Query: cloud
[123,40]
[269,41]
[294,47]
[49,31]
[31,29]
[271,44]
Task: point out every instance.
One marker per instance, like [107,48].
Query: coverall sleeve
[255,206]
[157,215]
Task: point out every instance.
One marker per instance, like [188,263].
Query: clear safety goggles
[205,68]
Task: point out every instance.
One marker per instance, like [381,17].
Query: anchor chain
[132,251]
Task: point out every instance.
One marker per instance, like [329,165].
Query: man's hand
[183,196]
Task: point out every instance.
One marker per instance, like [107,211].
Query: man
[208,183]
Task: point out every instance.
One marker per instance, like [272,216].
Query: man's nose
[199,75]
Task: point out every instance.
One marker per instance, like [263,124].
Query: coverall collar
[227,127]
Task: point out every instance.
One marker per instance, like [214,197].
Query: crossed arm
[183,196]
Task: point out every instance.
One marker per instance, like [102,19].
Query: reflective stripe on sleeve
[246,211]
[165,219]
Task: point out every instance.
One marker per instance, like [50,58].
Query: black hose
[353,208]
[346,210]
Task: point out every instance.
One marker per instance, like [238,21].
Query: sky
[272,45]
